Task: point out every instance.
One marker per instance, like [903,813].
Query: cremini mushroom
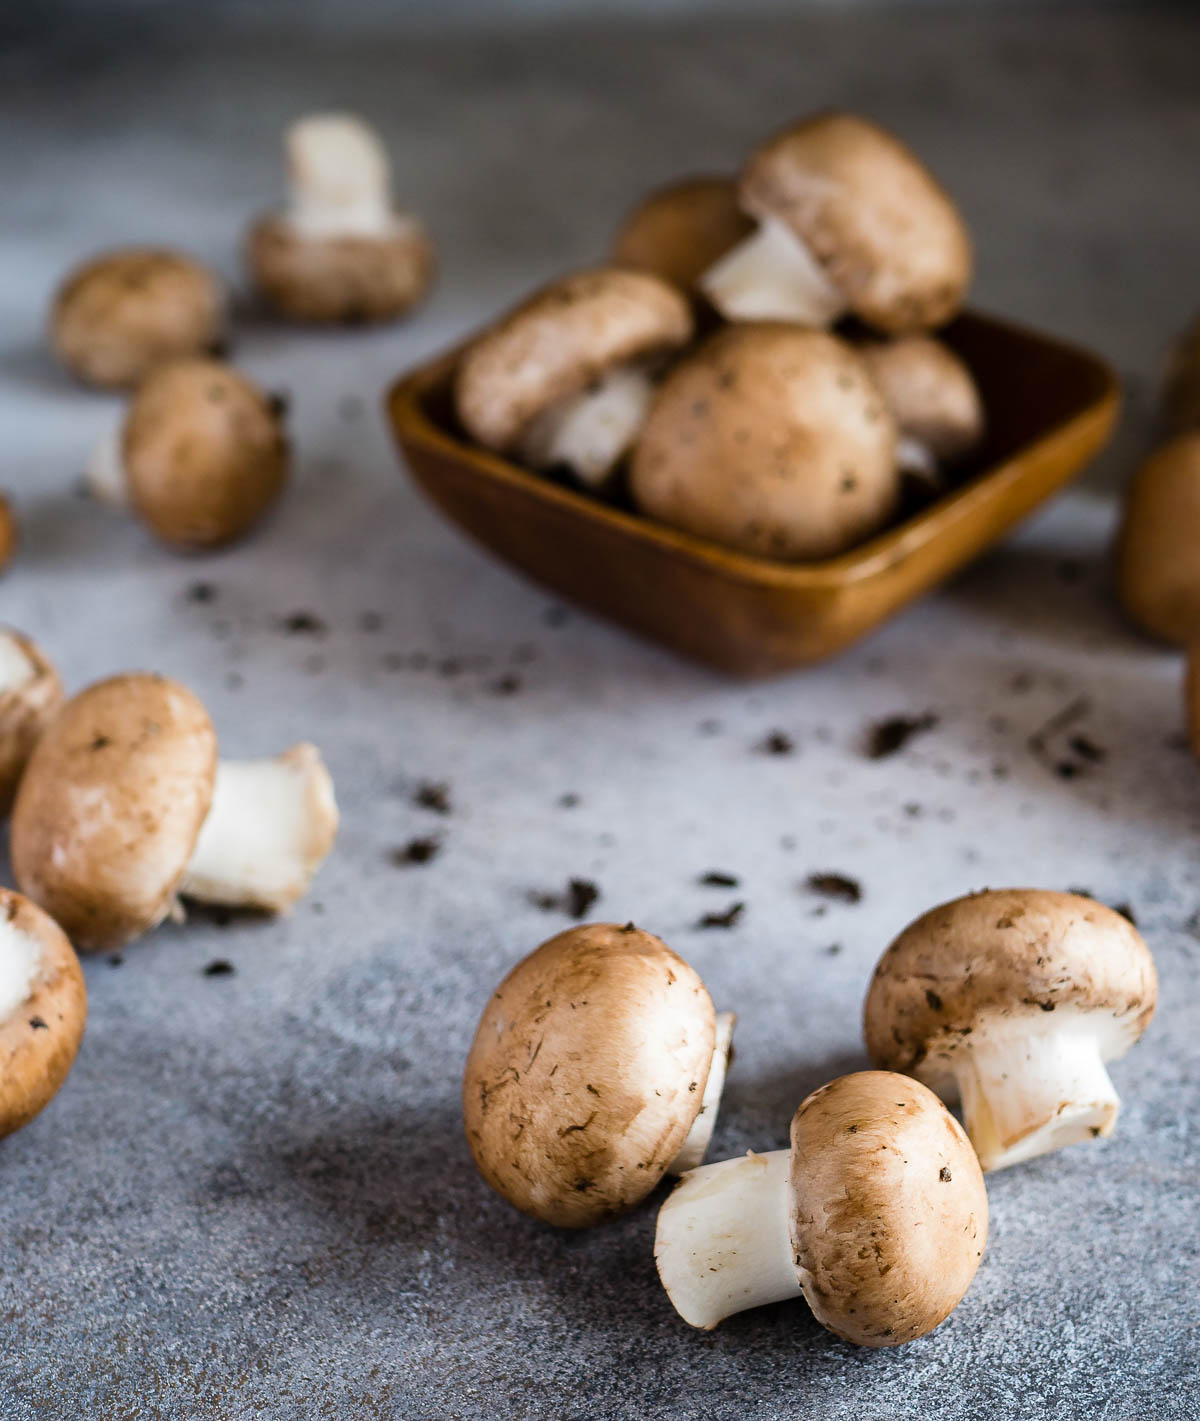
[200,455]
[30,695]
[566,379]
[596,1068]
[680,230]
[1181,388]
[124,809]
[340,251]
[877,1215]
[43,1008]
[1158,574]
[849,223]
[770,439]
[8,532]
[119,315]
[1012,1000]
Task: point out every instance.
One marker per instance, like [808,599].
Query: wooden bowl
[1050,408]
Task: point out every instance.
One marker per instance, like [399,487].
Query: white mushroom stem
[339,178]
[772,275]
[722,1244]
[16,667]
[591,431]
[270,827]
[696,1142]
[20,962]
[105,471]
[915,457]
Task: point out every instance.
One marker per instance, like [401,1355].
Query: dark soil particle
[434,796]
[890,736]
[219,967]
[580,894]
[37,1024]
[115,959]
[202,592]
[416,851]
[777,742]
[507,685]
[568,801]
[728,919]
[833,949]
[715,879]
[836,886]
[279,402]
[1126,911]
[303,624]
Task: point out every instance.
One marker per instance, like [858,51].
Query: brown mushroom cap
[770,439]
[930,391]
[886,233]
[561,339]
[124,312]
[680,230]
[204,451]
[110,806]
[889,1212]
[1158,575]
[41,1034]
[25,712]
[586,1073]
[1181,388]
[8,532]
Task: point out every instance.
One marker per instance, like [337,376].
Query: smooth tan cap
[1158,572]
[930,392]
[680,230]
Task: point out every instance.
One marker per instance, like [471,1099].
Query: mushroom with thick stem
[30,695]
[124,808]
[340,252]
[849,223]
[1158,577]
[1013,1000]
[596,1069]
[680,230]
[565,381]
[877,1215]
[119,315]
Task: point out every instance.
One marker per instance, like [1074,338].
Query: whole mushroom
[124,809]
[680,230]
[597,1067]
[877,1215]
[340,251]
[1012,1000]
[1158,574]
[30,695]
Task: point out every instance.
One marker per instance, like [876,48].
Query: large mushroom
[30,695]
[849,223]
[1012,1000]
[597,1067]
[124,809]
[877,1215]
[680,230]
[1158,573]
[565,381]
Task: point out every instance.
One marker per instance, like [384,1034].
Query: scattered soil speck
[836,886]
[507,685]
[1126,911]
[38,1024]
[219,967]
[890,736]
[416,851]
[575,900]
[716,879]
[303,624]
[202,592]
[115,959]
[728,919]
[433,795]
[568,801]
[776,742]
[833,949]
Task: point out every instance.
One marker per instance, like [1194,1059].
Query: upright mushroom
[341,251]
[597,1067]
[849,223]
[124,809]
[1158,573]
[680,230]
[30,695]
[566,380]
[877,1216]
[1013,1000]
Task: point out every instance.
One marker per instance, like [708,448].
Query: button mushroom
[124,809]
[30,695]
[340,251]
[565,380]
[849,222]
[201,454]
[119,315]
[1158,576]
[680,230]
[43,1008]
[772,440]
[1013,1000]
[597,1067]
[877,1216]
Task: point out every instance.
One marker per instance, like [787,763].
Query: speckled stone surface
[253,1198]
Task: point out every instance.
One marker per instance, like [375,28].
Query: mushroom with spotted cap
[30,695]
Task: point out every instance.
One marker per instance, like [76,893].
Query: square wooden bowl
[1050,409]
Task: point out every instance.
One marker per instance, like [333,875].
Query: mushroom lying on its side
[1158,573]
[30,695]
[877,1216]
[597,1067]
[340,251]
[680,230]
[1013,1000]
[123,809]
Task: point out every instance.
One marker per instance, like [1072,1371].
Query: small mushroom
[849,223]
[1158,575]
[30,695]
[1181,388]
[124,809]
[43,1008]
[8,532]
[119,315]
[877,1216]
[680,230]
[566,379]
[1012,1000]
[340,252]
[201,454]
[773,440]
[597,1067]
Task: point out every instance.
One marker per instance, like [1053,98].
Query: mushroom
[119,315]
[566,379]
[773,440]
[8,532]
[1158,576]
[680,230]
[849,222]
[1013,1000]
[877,1215]
[30,695]
[43,1008]
[124,809]
[1181,388]
[340,251]
[201,454]
[596,1068]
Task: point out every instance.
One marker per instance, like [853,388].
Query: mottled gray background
[252,1199]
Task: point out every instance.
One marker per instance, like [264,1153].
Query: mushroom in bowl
[30,695]
[680,230]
